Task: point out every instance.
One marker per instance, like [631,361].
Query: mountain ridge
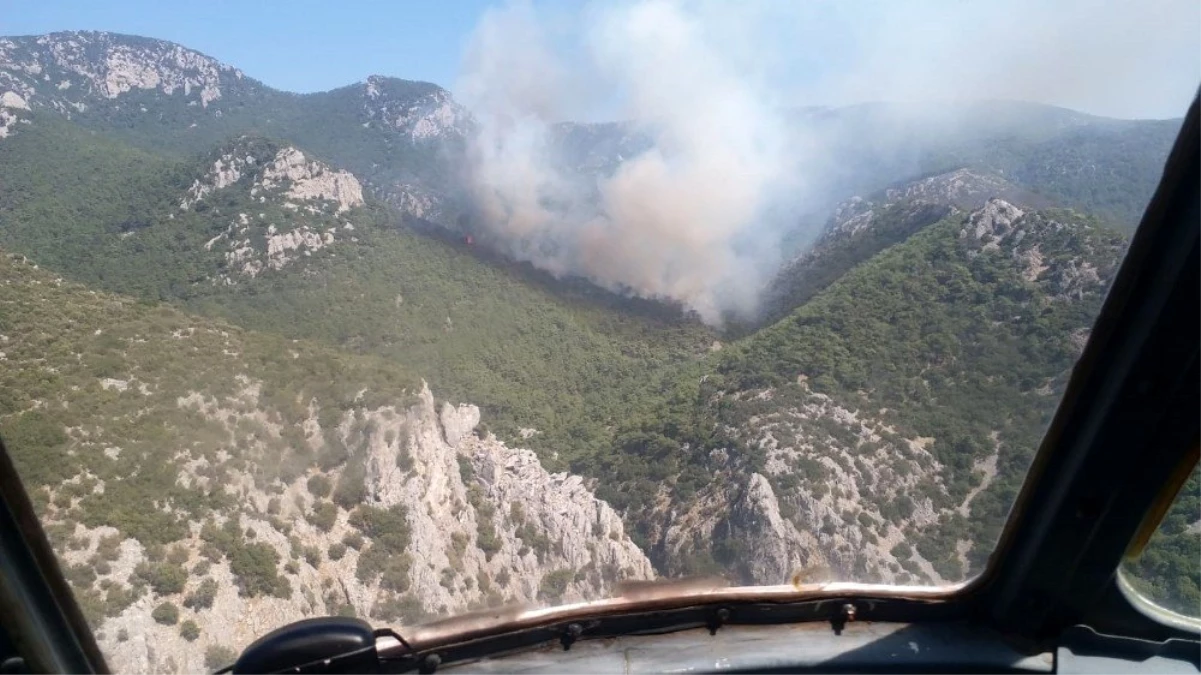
[393,162]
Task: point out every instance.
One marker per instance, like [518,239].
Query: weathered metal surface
[657,597]
[861,645]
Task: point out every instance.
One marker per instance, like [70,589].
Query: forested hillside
[1104,166]
[557,357]
[200,480]
[1168,570]
[921,346]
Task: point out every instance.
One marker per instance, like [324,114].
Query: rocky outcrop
[10,104]
[305,180]
[305,207]
[61,70]
[962,189]
[245,259]
[11,100]
[992,223]
[504,494]
[1056,253]
[965,189]
[289,173]
[413,200]
[840,489]
[774,550]
[419,111]
[487,524]
[226,170]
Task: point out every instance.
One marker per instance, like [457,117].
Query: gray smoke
[696,214]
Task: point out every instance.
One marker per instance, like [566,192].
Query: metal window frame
[38,612]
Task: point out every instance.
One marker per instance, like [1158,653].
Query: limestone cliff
[488,525]
[63,71]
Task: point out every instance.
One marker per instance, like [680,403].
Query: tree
[337,550]
[166,614]
[218,656]
[202,597]
[554,584]
[256,567]
[320,486]
[163,578]
[189,630]
[352,486]
[387,528]
[353,540]
[324,515]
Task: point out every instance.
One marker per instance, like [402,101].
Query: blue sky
[1125,59]
[302,45]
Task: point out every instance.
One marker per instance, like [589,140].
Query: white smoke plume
[696,214]
[671,222]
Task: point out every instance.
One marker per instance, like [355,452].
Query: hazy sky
[1136,58]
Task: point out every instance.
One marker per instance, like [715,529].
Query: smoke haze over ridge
[697,218]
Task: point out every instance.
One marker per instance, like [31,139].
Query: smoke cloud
[695,213]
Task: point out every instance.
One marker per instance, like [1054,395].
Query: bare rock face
[777,551]
[961,189]
[11,100]
[413,200]
[823,509]
[289,172]
[993,222]
[225,171]
[1051,252]
[429,115]
[860,493]
[458,422]
[513,514]
[308,180]
[60,70]
[487,525]
[10,104]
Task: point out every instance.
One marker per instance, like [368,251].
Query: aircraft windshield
[568,295]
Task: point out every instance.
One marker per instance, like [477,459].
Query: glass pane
[1168,570]
[605,292]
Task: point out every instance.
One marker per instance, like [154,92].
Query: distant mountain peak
[963,189]
[419,110]
[69,71]
[863,226]
[1062,251]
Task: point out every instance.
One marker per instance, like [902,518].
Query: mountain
[881,429]
[860,228]
[225,303]
[397,135]
[257,232]
[241,477]
[1106,166]
[404,139]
